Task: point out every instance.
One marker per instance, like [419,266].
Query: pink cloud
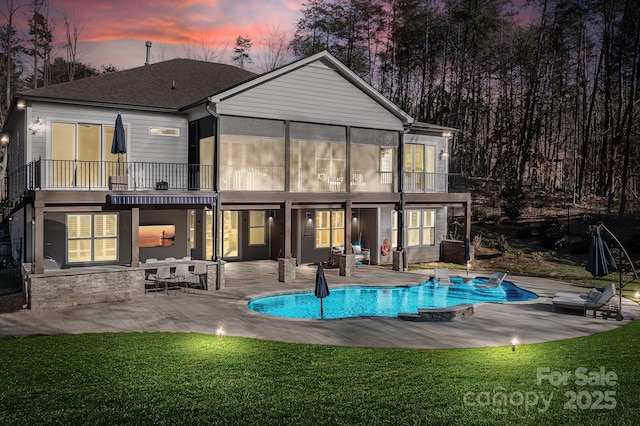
[112,30]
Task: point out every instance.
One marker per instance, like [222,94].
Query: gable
[315,92]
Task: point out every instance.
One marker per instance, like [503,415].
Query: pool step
[438,314]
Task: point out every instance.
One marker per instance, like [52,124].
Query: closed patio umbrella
[600,262]
[322,288]
[118,144]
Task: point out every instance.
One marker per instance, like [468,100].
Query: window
[82,155]
[164,131]
[421,227]
[428,227]
[92,237]
[192,229]
[329,228]
[419,167]
[230,233]
[256,227]
[394,229]
[413,228]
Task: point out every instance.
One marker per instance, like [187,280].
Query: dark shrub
[632,244]
[579,247]
[512,200]
[554,237]
[478,215]
[502,244]
[524,233]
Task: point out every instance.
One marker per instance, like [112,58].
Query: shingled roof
[172,85]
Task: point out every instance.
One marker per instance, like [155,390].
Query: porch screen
[251,154]
[318,157]
[373,160]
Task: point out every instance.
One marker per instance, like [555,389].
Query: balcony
[434,182]
[141,176]
[105,175]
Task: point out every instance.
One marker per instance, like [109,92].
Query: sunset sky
[114,31]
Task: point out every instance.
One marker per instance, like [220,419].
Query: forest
[544,93]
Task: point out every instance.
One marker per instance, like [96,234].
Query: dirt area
[544,220]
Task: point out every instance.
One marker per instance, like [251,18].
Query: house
[222,164]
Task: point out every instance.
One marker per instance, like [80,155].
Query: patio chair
[494,281]
[50,263]
[180,276]
[198,276]
[441,276]
[151,260]
[169,259]
[594,300]
[160,279]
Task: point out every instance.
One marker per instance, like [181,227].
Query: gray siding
[140,145]
[314,93]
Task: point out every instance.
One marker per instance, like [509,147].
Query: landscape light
[220,332]
[514,342]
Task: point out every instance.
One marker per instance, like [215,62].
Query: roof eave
[102,104]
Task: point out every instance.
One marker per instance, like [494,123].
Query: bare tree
[72,29]
[207,48]
[8,44]
[275,49]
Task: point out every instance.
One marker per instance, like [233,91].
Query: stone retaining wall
[60,290]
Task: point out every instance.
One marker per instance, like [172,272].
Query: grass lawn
[184,378]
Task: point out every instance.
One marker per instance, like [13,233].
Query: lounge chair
[595,300]
[494,281]
[441,276]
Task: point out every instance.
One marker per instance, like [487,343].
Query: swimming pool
[361,301]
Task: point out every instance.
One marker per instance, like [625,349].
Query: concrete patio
[492,324]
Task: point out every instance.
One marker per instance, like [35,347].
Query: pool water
[361,301]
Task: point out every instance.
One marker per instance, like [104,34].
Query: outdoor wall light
[514,342]
[443,154]
[4,139]
[220,332]
[36,126]
[447,134]
[21,104]
[354,215]
[308,215]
